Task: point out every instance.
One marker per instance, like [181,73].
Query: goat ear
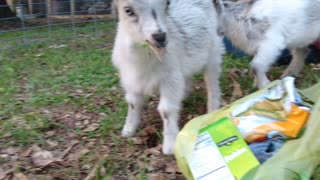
[114,10]
[218,5]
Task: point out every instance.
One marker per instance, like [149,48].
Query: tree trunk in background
[5,10]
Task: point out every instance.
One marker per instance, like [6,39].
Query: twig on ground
[92,174]
[66,152]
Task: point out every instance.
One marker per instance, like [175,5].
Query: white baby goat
[264,28]
[182,40]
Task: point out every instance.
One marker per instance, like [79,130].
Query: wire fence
[26,22]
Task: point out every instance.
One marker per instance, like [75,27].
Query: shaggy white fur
[184,39]
[264,28]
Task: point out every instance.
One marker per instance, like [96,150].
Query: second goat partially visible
[264,28]
[159,46]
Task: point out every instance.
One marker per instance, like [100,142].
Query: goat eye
[168,3]
[129,11]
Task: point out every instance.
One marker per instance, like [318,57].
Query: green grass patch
[78,75]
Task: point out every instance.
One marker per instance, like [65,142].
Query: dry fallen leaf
[105,149]
[237,91]
[44,158]
[92,174]
[79,91]
[157,176]
[50,133]
[157,164]
[26,153]
[4,174]
[119,177]
[11,150]
[56,46]
[52,144]
[36,148]
[91,144]
[315,66]
[79,124]
[171,167]
[86,167]
[235,72]
[84,152]
[19,176]
[153,151]
[92,127]
[86,122]
[88,95]
[78,116]
[103,171]
[102,116]
[136,140]
[4,157]
[41,177]
[149,130]
[66,152]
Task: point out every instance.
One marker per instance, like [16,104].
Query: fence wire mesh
[26,22]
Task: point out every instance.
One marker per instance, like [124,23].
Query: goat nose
[159,37]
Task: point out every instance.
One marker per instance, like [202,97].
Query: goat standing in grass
[264,28]
[159,46]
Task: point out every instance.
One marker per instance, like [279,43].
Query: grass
[40,85]
[45,89]
[38,77]
[42,32]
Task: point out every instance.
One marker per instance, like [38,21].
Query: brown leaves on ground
[4,174]
[235,73]
[141,163]
[315,67]
[77,151]
[20,176]
[82,157]
[69,153]
[44,158]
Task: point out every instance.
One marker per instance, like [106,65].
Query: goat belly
[143,84]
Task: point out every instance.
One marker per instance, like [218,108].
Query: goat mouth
[156,45]
[159,50]
[161,45]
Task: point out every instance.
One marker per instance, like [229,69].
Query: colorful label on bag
[221,153]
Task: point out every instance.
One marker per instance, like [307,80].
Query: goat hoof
[130,127]
[260,84]
[167,149]
[168,145]
[127,133]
